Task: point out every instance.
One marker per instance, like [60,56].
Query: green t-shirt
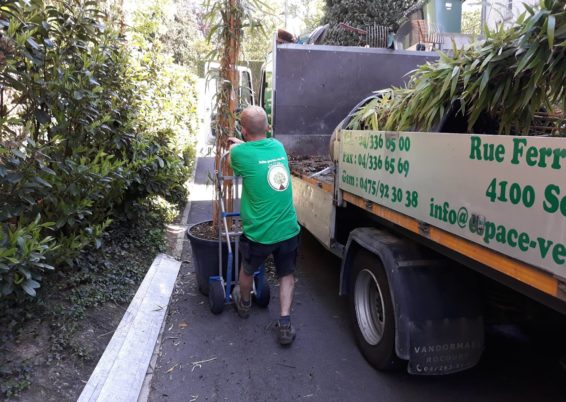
[267,210]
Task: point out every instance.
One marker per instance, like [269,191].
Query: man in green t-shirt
[268,214]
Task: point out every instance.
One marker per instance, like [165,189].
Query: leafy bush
[508,77]
[154,171]
[85,132]
[360,14]
[23,252]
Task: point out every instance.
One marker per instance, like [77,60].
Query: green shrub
[156,171]
[360,14]
[23,250]
[509,77]
[87,129]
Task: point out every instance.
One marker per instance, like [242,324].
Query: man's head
[254,123]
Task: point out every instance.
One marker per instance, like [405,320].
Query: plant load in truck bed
[510,78]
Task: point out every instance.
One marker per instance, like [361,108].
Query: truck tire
[372,313]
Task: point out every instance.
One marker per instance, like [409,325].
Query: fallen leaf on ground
[200,363]
[171,369]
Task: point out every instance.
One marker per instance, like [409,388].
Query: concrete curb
[122,369]
[178,251]
[146,386]
[107,382]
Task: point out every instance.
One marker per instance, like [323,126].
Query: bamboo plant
[227,19]
[510,76]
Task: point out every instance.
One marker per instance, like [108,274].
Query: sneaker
[286,334]
[242,308]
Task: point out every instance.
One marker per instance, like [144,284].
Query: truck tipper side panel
[314,209]
[316,86]
[503,193]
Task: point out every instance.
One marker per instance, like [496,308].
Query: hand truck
[220,287]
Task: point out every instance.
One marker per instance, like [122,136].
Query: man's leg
[286,288]
[252,258]
[287,332]
[285,260]
[246,282]
[242,293]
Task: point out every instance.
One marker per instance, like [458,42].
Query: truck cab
[212,87]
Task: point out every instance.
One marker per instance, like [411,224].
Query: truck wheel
[263,299]
[371,309]
[216,295]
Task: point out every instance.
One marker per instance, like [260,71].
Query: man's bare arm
[234,143]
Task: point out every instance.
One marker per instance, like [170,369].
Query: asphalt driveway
[205,357]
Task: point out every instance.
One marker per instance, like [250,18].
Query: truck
[427,225]
[212,88]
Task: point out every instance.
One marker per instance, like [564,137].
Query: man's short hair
[254,120]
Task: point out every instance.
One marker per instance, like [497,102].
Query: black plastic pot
[205,258]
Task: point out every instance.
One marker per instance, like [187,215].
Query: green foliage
[360,14]
[185,34]
[256,44]
[65,125]
[226,20]
[18,381]
[311,13]
[110,274]
[301,16]
[171,98]
[471,22]
[508,77]
[86,130]
[22,256]
[107,274]
[155,172]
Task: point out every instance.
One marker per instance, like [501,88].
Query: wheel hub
[368,299]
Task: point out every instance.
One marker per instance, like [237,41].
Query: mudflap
[441,328]
[438,313]
[446,346]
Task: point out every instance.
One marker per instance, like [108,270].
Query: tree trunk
[229,100]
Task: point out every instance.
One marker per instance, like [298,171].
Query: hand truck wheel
[262,292]
[216,296]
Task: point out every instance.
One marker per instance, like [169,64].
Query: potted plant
[227,19]
[505,84]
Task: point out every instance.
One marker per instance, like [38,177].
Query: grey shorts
[284,254]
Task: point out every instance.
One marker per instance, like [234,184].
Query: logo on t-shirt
[278,178]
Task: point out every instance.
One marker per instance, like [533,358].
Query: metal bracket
[337,246]
[424,228]
[328,169]
[339,199]
[561,294]
[477,224]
